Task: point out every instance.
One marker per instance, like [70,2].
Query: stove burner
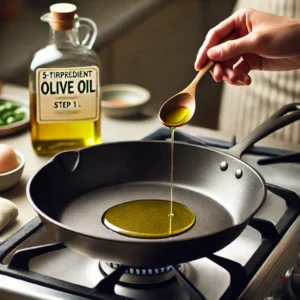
[135,275]
[144,271]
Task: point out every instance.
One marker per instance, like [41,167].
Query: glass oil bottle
[64,85]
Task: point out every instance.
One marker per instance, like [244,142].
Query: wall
[159,54]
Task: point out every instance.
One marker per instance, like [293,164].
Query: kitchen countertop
[112,130]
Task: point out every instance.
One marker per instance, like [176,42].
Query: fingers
[233,48]
[236,22]
[223,70]
[214,37]
[237,75]
[241,71]
[217,72]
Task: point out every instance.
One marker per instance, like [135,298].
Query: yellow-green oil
[176,116]
[49,139]
[154,218]
[172,170]
[149,219]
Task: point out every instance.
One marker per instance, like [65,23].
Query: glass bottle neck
[63,38]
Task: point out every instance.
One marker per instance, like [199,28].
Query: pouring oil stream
[154,218]
[173,118]
[171,179]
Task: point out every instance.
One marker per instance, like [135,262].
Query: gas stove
[257,265]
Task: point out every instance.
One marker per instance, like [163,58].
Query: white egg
[8,158]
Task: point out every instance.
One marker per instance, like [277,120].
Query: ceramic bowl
[124,100]
[9,179]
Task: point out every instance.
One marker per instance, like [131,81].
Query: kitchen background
[152,43]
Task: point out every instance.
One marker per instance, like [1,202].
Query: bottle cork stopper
[62,15]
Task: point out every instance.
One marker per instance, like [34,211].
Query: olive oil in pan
[151,218]
[154,218]
[148,219]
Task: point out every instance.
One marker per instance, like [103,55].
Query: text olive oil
[64,84]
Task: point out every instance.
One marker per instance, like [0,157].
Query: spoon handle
[206,67]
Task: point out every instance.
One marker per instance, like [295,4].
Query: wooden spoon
[179,109]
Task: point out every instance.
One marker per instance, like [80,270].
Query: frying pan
[73,190]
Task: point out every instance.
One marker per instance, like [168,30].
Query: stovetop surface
[242,258]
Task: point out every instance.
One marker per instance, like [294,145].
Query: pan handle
[284,116]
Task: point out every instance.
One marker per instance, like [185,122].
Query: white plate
[18,126]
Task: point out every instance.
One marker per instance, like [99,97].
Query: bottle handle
[91,34]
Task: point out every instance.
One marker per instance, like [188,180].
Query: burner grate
[287,158]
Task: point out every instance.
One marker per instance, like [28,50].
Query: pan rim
[136,240]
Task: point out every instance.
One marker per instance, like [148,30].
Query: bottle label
[68,94]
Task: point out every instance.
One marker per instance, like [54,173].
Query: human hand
[262,41]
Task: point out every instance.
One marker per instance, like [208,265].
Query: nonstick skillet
[75,188]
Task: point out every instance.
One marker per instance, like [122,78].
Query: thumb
[232,48]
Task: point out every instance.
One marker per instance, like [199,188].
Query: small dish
[9,179]
[124,100]
[19,125]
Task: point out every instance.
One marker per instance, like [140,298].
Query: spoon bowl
[179,114]
[179,109]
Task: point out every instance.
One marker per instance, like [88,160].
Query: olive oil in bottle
[64,84]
